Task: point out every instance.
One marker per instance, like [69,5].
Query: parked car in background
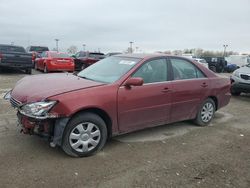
[112,53]
[117,95]
[202,62]
[54,61]
[240,80]
[216,64]
[15,57]
[35,51]
[84,59]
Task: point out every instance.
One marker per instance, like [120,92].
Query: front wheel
[28,71]
[84,135]
[205,113]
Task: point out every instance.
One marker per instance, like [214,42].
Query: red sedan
[54,61]
[117,95]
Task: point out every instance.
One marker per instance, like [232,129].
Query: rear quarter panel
[221,90]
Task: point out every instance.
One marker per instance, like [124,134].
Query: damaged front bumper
[52,129]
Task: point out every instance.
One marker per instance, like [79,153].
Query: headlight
[236,73]
[7,96]
[37,110]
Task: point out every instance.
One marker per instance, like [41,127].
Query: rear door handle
[204,84]
[165,90]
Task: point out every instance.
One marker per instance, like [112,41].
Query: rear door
[190,87]
[149,104]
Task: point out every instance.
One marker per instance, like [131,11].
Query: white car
[240,80]
[202,61]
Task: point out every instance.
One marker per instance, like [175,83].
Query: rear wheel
[84,135]
[45,69]
[84,66]
[205,113]
[28,71]
[35,66]
[213,68]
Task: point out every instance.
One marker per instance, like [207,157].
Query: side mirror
[136,81]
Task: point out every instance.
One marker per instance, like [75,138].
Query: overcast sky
[110,24]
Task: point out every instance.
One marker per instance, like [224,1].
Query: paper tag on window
[125,62]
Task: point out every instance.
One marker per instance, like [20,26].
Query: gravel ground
[175,155]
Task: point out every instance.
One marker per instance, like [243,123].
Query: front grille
[15,103]
[245,77]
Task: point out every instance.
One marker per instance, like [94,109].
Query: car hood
[39,87]
[245,70]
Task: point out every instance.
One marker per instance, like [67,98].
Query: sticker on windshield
[126,62]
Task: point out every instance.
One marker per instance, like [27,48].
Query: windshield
[59,55]
[109,69]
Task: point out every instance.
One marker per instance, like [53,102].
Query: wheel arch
[104,115]
[215,101]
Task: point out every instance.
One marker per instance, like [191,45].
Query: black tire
[235,93]
[199,120]
[213,68]
[35,66]
[84,66]
[84,119]
[28,71]
[45,69]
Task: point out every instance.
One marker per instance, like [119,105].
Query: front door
[149,104]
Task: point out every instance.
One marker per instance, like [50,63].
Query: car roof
[9,45]
[148,56]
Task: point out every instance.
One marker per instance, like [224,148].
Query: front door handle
[204,84]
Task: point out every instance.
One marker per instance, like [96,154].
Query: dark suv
[15,57]
[84,59]
[216,64]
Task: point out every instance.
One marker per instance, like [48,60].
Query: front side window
[183,70]
[153,71]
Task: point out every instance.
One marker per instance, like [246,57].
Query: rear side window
[153,71]
[183,70]
[12,49]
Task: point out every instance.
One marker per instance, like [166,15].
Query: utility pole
[131,47]
[57,40]
[225,47]
[84,46]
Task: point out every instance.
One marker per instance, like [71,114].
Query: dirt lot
[176,155]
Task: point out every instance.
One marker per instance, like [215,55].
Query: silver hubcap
[207,112]
[85,137]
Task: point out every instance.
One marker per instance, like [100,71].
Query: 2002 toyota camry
[117,95]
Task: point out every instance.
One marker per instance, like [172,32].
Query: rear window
[38,49]
[12,49]
[59,55]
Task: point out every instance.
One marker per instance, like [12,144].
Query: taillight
[33,56]
[1,56]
